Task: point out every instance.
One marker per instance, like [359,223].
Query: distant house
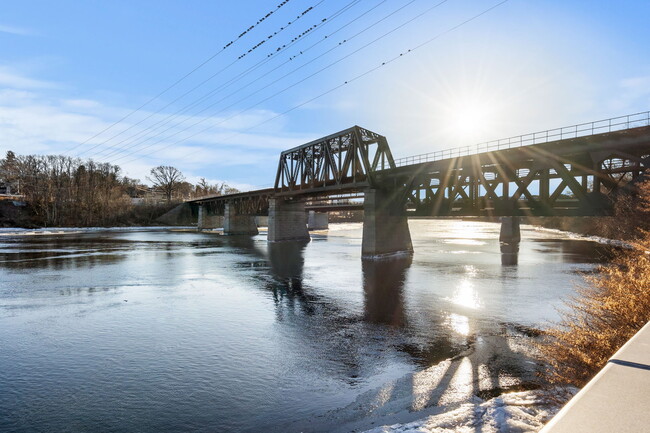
[8,191]
[5,188]
[142,194]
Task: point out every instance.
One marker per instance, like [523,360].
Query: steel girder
[254,203]
[531,181]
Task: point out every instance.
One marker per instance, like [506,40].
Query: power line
[118,149]
[333,89]
[419,15]
[164,121]
[206,61]
[284,76]
[205,80]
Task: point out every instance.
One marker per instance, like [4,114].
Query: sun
[470,121]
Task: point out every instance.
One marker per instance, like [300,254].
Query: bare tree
[167,179]
[227,189]
[202,188]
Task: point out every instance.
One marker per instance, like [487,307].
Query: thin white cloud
[14,80]
[81,104]
[637,84]
[33,120]
[633,95]
[21,31]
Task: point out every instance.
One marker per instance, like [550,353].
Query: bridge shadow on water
[383,283]
[457,387]
[383,290]
[287,263]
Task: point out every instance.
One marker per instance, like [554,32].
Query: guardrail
[574,131]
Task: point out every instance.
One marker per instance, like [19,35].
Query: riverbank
[14,213]
[49,231]
[17,214]
[602,226]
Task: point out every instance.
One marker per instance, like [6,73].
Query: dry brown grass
[607,311]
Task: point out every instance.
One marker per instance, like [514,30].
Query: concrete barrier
[617,399]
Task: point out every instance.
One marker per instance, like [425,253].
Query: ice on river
[16,231]
[516,412]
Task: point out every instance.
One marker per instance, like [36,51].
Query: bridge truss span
[346,160]
[245,203]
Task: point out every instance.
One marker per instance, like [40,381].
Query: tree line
[66,191]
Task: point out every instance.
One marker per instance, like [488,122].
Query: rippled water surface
[166,331]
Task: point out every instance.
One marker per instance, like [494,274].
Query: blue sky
[70,69]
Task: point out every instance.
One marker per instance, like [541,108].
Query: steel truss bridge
[569,171]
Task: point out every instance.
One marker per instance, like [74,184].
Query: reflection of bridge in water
[571,171]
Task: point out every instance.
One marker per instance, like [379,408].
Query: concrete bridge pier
[385,225]
[287,220]
[510,232]
[509,253]
[317,220]
[207,221]
[236,224]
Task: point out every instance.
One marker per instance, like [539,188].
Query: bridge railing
[574,131]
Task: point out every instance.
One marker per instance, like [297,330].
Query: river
[170,330]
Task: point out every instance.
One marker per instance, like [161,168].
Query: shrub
[602,316]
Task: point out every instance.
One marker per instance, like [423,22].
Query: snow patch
[593,238]
[516,412]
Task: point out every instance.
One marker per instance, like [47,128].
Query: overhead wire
[178,81]
[120,149]
[333,89]
[419,15]
[170,117]
[253,48]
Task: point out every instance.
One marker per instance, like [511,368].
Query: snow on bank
[516,412]
[577,236]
